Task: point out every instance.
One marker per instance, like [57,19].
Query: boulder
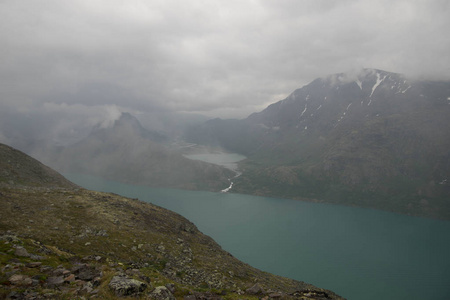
[124,286]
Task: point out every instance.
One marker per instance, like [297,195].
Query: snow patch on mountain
[406,89]
[379,81]
[306,106]
[359,83]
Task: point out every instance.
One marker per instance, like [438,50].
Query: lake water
[358,253]
[227,160]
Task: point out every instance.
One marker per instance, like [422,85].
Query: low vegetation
[59,241]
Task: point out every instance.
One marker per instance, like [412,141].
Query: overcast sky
[90,59]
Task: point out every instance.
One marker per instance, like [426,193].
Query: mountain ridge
[371,137]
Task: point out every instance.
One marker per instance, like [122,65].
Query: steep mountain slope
[372,139]
[63,242]
[19,169]
[127,152]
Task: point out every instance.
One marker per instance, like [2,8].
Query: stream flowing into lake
[355,252]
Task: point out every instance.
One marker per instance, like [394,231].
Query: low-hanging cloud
[221,59]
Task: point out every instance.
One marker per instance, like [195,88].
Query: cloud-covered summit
[220,59]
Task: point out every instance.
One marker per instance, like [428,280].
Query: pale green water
[358,253]
[228,160]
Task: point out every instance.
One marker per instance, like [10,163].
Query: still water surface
[358,253]
[227,160]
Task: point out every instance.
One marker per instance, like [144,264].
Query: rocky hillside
[58,241]
[373,139]
[19,169]
[129,153]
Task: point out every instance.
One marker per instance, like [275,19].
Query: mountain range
[371,138]
[127,152]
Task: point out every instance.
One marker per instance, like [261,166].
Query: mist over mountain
[127,152]
[372,138]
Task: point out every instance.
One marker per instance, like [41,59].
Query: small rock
[13,295]
[35,282]
[96,281]
[102,233]
[55,281]
[124,286]
[45,269]
[171,287]
[33,264]
[20,251]
[94,292]
[255,290]
[161,293]
[132,272]
[58,272]
[203,296]
[70,278]
[275,295]
[21,280]
[86,273]
[36,257]
[87,288]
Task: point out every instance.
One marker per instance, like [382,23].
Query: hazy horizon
[68,65]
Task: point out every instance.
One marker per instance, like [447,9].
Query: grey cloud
[224,59]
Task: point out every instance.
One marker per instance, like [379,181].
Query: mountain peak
[128,119]
[127,125]
[127,116]
[360,76]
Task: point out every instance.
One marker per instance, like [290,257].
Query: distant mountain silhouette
[129,153]
[130,123]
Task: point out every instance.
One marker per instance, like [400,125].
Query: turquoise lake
[357,253]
